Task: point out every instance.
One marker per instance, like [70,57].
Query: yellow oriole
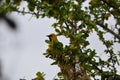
[52,37]
[55,47]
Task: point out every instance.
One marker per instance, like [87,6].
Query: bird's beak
[47,35]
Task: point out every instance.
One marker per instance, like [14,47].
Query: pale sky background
[22,51]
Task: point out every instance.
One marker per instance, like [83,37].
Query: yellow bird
[55,48]
[52,37]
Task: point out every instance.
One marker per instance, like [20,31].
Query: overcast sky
[22,51]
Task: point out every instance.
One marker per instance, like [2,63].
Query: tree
[76,22]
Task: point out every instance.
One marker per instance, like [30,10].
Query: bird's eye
[50,35]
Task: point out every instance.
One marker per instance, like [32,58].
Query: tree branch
[109,30]
[114,6]
[23,12]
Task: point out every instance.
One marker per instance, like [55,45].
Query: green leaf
[108,43]
[37,15]
[57,30]
[22,79]
[31,6]
[7,1]
[54,63]
[92,54]
[40,76]
[47,41]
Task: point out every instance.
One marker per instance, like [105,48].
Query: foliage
[40,76]
[77,22]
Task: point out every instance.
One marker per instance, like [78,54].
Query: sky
[21,51]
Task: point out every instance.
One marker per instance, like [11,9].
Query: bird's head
[52,37]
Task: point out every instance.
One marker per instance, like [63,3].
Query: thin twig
[109,30]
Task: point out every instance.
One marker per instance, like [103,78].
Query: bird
[55,47]
[52,37]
